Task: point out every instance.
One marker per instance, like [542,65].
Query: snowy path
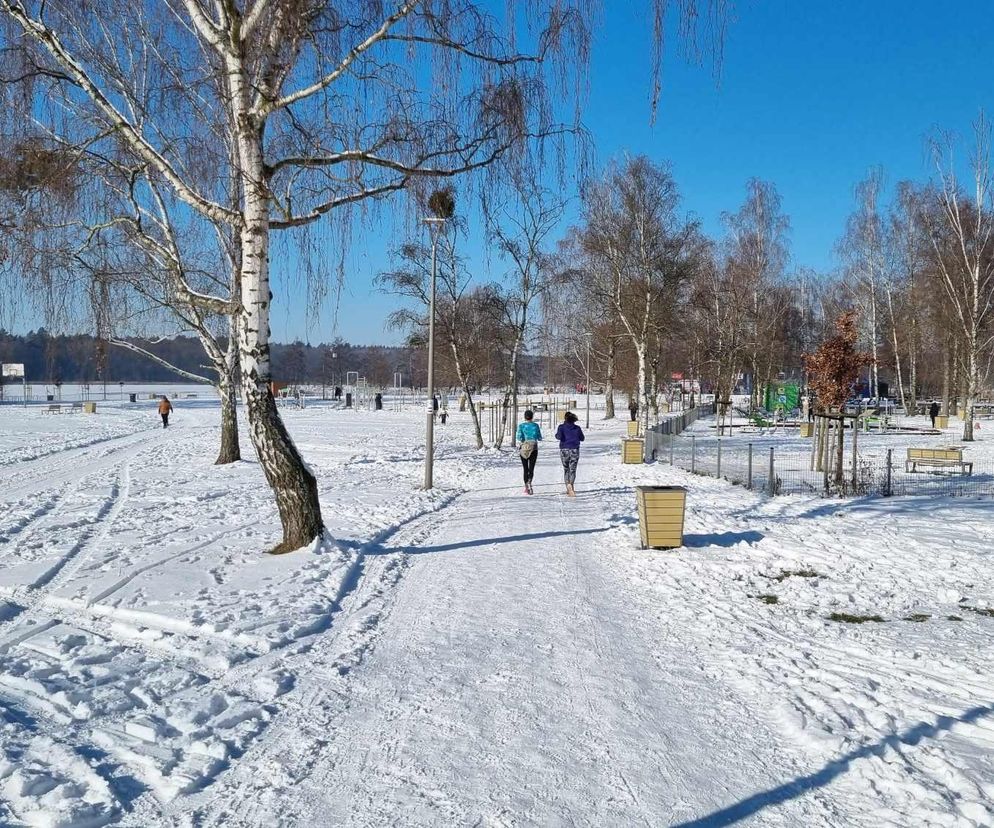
[510,683]
[475,657]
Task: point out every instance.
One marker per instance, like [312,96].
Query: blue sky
[811,94]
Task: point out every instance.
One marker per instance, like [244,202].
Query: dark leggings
[528,466]
[165,420]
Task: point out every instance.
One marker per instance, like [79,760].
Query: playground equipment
[782,396]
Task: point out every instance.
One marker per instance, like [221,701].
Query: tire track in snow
[63,466]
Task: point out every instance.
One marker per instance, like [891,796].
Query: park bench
[880,421]
[951,458]
[760,420]
[53,408]
[77,408]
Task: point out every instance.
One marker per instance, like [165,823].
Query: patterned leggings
[570,458]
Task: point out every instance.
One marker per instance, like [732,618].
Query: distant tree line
[83,358]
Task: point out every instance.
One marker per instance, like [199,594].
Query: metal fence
[777,471]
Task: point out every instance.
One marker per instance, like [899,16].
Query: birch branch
[129,346]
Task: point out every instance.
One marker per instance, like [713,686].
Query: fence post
[671,449]
[693,453]
[773,478]
[888,491]
[749,476]
[718,473]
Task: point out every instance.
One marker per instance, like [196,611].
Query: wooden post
[822,464]
[855,474]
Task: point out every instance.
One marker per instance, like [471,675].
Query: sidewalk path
[515,682]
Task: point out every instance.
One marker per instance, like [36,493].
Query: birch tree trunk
[230,452]
[464,380]
[511,390]
[293,484]
[475,414]
[643,383]
[946,360]
[874,346]
[972,376]
[897,351]
[609,380]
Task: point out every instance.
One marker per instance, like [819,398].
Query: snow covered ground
[473,656]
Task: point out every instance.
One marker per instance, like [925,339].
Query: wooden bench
[53,408]
[881,421]
[950,458]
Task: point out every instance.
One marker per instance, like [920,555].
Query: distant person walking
[933,412]
[569,435]
[528,435]
[444,415]
[633,409]
[165,409]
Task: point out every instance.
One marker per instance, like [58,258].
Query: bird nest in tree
[442,203]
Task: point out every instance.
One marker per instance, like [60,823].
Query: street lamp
[588,335]
[443,209]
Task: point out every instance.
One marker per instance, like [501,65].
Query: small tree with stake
[833,369]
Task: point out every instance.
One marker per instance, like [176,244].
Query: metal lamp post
[435,223]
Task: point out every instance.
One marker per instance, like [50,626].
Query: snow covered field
[473,656]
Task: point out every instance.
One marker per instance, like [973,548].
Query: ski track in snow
[471,656]
[145,701]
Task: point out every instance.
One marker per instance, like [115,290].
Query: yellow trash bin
[807,429]
[661,511]
[942,421]
[633,428]
[89,408]
[632,449]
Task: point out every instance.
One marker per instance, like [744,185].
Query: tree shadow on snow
[469,544]
[798,787]
[722,539]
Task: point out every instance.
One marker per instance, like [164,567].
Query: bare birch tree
[521,233]
[758,253]
[863,251]
[461,315]
[639,248]
[329,106]
[961,232]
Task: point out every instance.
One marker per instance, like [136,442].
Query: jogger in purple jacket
[569,435]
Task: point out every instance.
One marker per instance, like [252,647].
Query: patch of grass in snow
[917,616]
[988,611]
[846,618]
[954,618]
[794,573]
[769,599]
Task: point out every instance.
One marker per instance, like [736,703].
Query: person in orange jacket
[165,409]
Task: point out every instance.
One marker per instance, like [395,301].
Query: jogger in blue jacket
[528,435]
